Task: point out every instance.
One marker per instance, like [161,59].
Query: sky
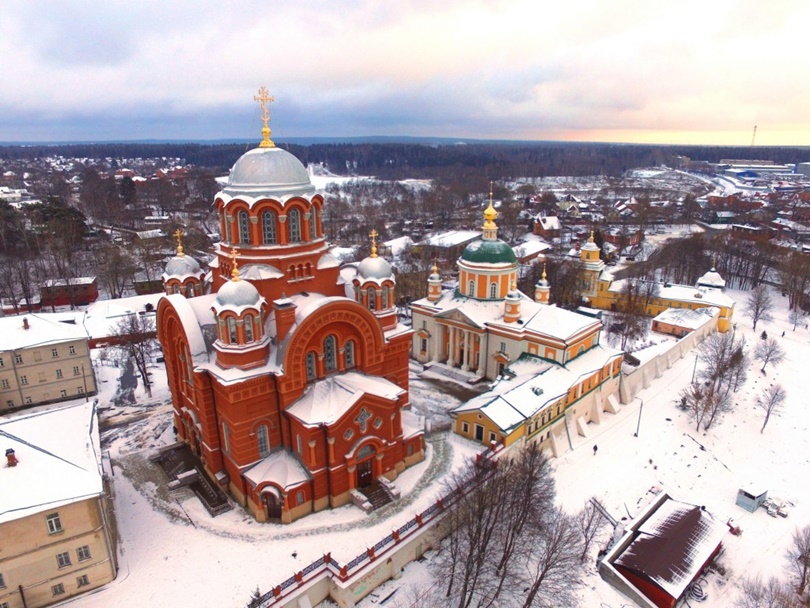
[685,72]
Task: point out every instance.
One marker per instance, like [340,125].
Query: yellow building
[56,538]
[602,291]
[43,359]
[552,373]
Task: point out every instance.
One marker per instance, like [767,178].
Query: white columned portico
[483,355]
[451,359]
[438,342]
[465,364]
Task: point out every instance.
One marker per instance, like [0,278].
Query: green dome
[489,252]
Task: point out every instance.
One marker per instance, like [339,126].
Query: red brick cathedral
[288,371]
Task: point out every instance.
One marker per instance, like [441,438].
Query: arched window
[248,328]
[493,290]
[228,229]
[226,437]
[190,288]
[176,289]
[232,330]
[330,354]
[294,222]
[269,228]
[299,498]
[244,228]
[348,354]
[263,440]
[385,303]
[313,220]
[311,371]
[471,288]
[372,298]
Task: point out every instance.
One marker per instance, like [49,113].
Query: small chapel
[288,371]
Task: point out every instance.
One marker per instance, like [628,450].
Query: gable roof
[59,460]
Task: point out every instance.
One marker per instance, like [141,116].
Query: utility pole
[638,426]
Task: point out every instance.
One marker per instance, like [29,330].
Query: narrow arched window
[248,328]
[226,437]
[385,295]
[228,229]
[493,290]
[372,298]
[263,440]
[294,223]
[313,220]
[348,354]
[269,228]
[471,288]
[244,228]
[176,289]
[311,371]
[330,354]
[190,288]
[232,330]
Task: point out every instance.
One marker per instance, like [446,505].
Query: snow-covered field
[174,554]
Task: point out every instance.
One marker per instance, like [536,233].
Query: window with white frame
[232,330]
[58,589]
[59,374]
[248,328]
[313,223]
[63,559]
[299,498]
[294,223]
[263,440]
[83,553]
[6,383]
[269,228]
[385,292]
[23,380]
[72,350]
[244,227]
[348,354]
[493,290]
[75,370]
[372,298]
[54,353]
[471,288]
[18,358]
[82,581]
[2,363]
[330,354]
[54,523]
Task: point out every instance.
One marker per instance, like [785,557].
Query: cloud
[512,68]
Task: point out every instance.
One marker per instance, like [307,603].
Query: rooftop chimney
[12,459]
[25,323]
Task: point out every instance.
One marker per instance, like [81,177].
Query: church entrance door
[273,506]
[364,473]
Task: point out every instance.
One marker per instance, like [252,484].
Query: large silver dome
[269,171]
[182,266]
[236,295]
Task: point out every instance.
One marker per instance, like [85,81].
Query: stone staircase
[453,373]
[183,468]
[377,494]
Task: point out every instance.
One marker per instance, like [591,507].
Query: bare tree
[799,560]
[769,351]
[115,270]
[774,593]
[795,317]
[589,521]
[759,305]
[725,359]
[135,336]
[771,401]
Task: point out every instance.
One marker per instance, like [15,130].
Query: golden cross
[373,234]
[179,236]
[264,98]
[235,271]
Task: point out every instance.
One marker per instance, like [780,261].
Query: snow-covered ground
[174,554]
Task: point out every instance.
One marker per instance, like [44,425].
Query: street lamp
[638,426]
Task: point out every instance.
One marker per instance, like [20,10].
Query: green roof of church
[489,252]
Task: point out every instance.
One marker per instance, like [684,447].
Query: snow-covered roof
[280,468]
[43,329]
[102,316]
[673,544]
[326,401]
[711,279]
[548,222]
[529,248]
[72,281]
[451,238]
[539,383]
[687,293]
[59,460]
[686,317]
[259,272]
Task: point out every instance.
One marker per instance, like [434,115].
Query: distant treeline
[399,160]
